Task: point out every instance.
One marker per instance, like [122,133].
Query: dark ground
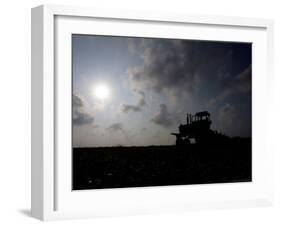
[116,167]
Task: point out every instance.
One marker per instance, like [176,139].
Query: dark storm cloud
[115,127]
[233,120]
[164,67]
[234,86]
[80,117]
[240,83]
[228,119]
[136,108]
[182,68]
[244,80]
[177,65]
[227,114]
[163,117]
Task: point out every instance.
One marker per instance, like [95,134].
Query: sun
[101,91]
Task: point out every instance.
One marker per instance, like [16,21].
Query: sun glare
[101,92]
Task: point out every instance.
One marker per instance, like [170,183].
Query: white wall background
[15,112]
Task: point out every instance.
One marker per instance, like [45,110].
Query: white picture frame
[52,197]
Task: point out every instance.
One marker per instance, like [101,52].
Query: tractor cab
[197,128]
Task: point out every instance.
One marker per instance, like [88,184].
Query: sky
[130,91]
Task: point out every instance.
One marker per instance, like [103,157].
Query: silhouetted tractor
[198,129]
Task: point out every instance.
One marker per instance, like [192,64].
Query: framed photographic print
[140,112]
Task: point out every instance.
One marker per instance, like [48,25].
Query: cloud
[232,122]
[227,114]
[244,80]
[240,84]
[163,117]
[164,67]
[177,66]
[77,101]
[136,108]
[116,127]
[80,117]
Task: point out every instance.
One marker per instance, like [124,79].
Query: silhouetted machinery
[198,129]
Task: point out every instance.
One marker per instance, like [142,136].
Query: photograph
[152,111]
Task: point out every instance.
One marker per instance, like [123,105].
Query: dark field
[116,167]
